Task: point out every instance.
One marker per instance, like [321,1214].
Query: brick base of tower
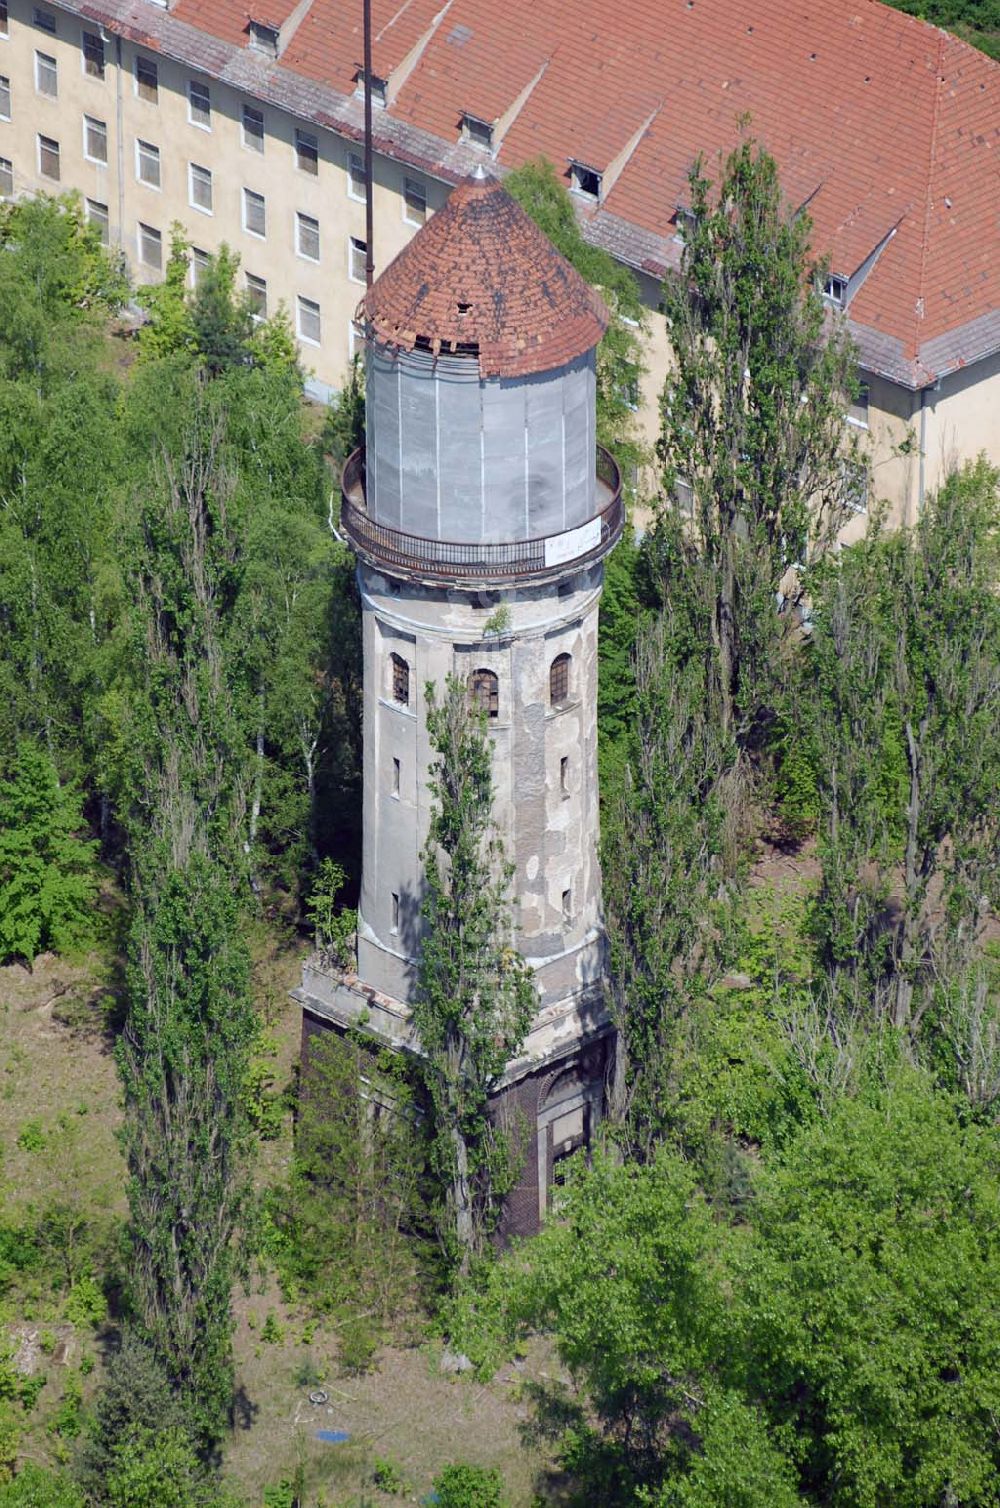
[549,1101]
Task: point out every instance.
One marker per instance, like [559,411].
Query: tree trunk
[462,1199]
[906,959]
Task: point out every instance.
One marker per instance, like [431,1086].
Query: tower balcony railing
[456,561]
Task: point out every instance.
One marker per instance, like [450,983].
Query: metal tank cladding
[452,455]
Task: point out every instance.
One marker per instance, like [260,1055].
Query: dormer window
[685,221]
[479,132]
[835,290]
[584,180]
[264,39]
[380,88]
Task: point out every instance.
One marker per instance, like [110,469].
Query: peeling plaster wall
[547,813]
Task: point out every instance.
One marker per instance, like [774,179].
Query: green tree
[48,878]
[905,657]
[353,1201]
[35,1487]
[475,998]
[838,1346]
[752,413]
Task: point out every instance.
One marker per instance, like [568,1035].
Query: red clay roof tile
[481,276]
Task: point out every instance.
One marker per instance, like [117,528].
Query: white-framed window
[146,80]
[44,20]
[584,180]
[308,320]
[835,290]
[307,236]
[355,343]
[685,221]
[684,497]
[253,128]
[92,52]
[478,131]
[414,201]
[147,163]
[46,75]
[264,39]
[95,139]
[306,152]
[357,257]
[200,187]
[356,180]
[199,264]
[855,476]
[254,213]
[6,176]
[858,411]
[48,158]
[4,30]
[150,247]
[97,215]
[4,97]
[380,88]
[257,295]
[199,105]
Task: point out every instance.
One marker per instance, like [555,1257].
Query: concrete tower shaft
[481,515]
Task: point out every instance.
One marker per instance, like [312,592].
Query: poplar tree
[476,997]
[752,412]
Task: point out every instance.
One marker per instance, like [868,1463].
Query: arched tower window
[559,680]
[484,692]
[400,680]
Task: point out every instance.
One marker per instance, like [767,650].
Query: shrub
[461,1486]
[86,1304]
[31,1137]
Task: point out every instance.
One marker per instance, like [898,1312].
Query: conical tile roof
[481,278]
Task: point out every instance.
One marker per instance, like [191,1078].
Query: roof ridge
[920,303]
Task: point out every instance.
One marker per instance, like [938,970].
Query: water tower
[481,512]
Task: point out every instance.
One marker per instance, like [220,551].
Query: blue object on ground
[332,1436]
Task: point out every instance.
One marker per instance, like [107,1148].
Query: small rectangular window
[4,97]
[306,152]
[199,105]
[95,139]
[93,55]
[150,247]
[199,265]
[855,486]
[4,32]
[479,132]
[44,20]
[684,497]
[380,88]
[97,215]
[309,321]
[567,905]
[253,129]
[146,84]
[6,176]
[414,202]
[254,213]
[48,158]
[835,290]
[357,259]
[257,295]
[564,775]
[356,179]
[858,411]
[200,185]
[147,163]
[395,912]
[395,777]
[264,39]
[307,237]
[46,75]
[585,181]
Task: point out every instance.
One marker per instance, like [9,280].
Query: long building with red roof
[243,119]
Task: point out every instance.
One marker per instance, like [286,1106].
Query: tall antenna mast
[369,215]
